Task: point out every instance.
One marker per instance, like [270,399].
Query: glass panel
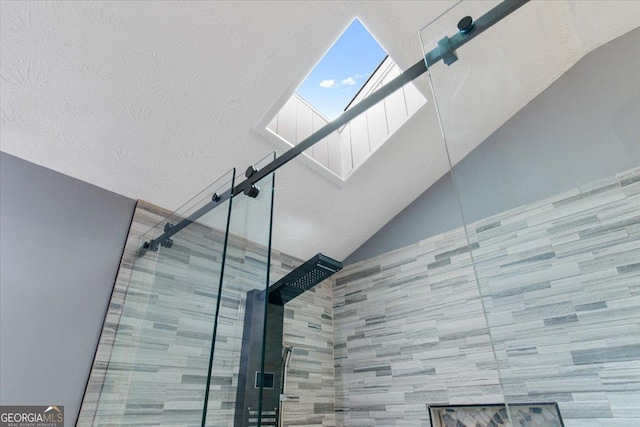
[157,371]
[409,325]
[238,392]
[545,150]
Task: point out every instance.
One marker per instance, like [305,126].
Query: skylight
[343,71]
[355,67]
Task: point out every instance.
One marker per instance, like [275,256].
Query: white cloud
[349,81]
[328,84]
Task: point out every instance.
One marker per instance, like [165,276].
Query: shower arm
[444,51]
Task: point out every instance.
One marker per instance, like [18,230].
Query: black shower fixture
[263,357]
[303,278]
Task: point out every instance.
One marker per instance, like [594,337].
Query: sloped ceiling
[155,100]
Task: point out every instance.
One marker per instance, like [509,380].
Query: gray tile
[607,354]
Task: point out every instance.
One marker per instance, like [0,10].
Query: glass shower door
[545,158]
[189,323]
[156,370]
[243,391]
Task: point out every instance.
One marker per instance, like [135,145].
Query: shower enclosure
[518,305]
[194,333]
[177,313]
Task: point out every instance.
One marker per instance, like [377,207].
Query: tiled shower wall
[562,285]
[308,330]
[410,330]
[560,280]
[178,334]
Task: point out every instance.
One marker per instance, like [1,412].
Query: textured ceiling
[156,100]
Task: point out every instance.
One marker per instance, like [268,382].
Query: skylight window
[355,67]
[343,71]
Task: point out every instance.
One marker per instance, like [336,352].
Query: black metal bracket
[466,25]
[252,190]
[445,51]
[468,30]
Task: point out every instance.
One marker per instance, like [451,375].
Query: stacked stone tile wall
[410,330]
[163,307]
[554,289]
[560,280]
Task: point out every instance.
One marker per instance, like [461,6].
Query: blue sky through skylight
[342,72]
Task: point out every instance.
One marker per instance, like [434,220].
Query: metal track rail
[445,51]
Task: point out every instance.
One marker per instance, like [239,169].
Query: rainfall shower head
[303,278]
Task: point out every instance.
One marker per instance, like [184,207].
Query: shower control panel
[269,418]
[267,380]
